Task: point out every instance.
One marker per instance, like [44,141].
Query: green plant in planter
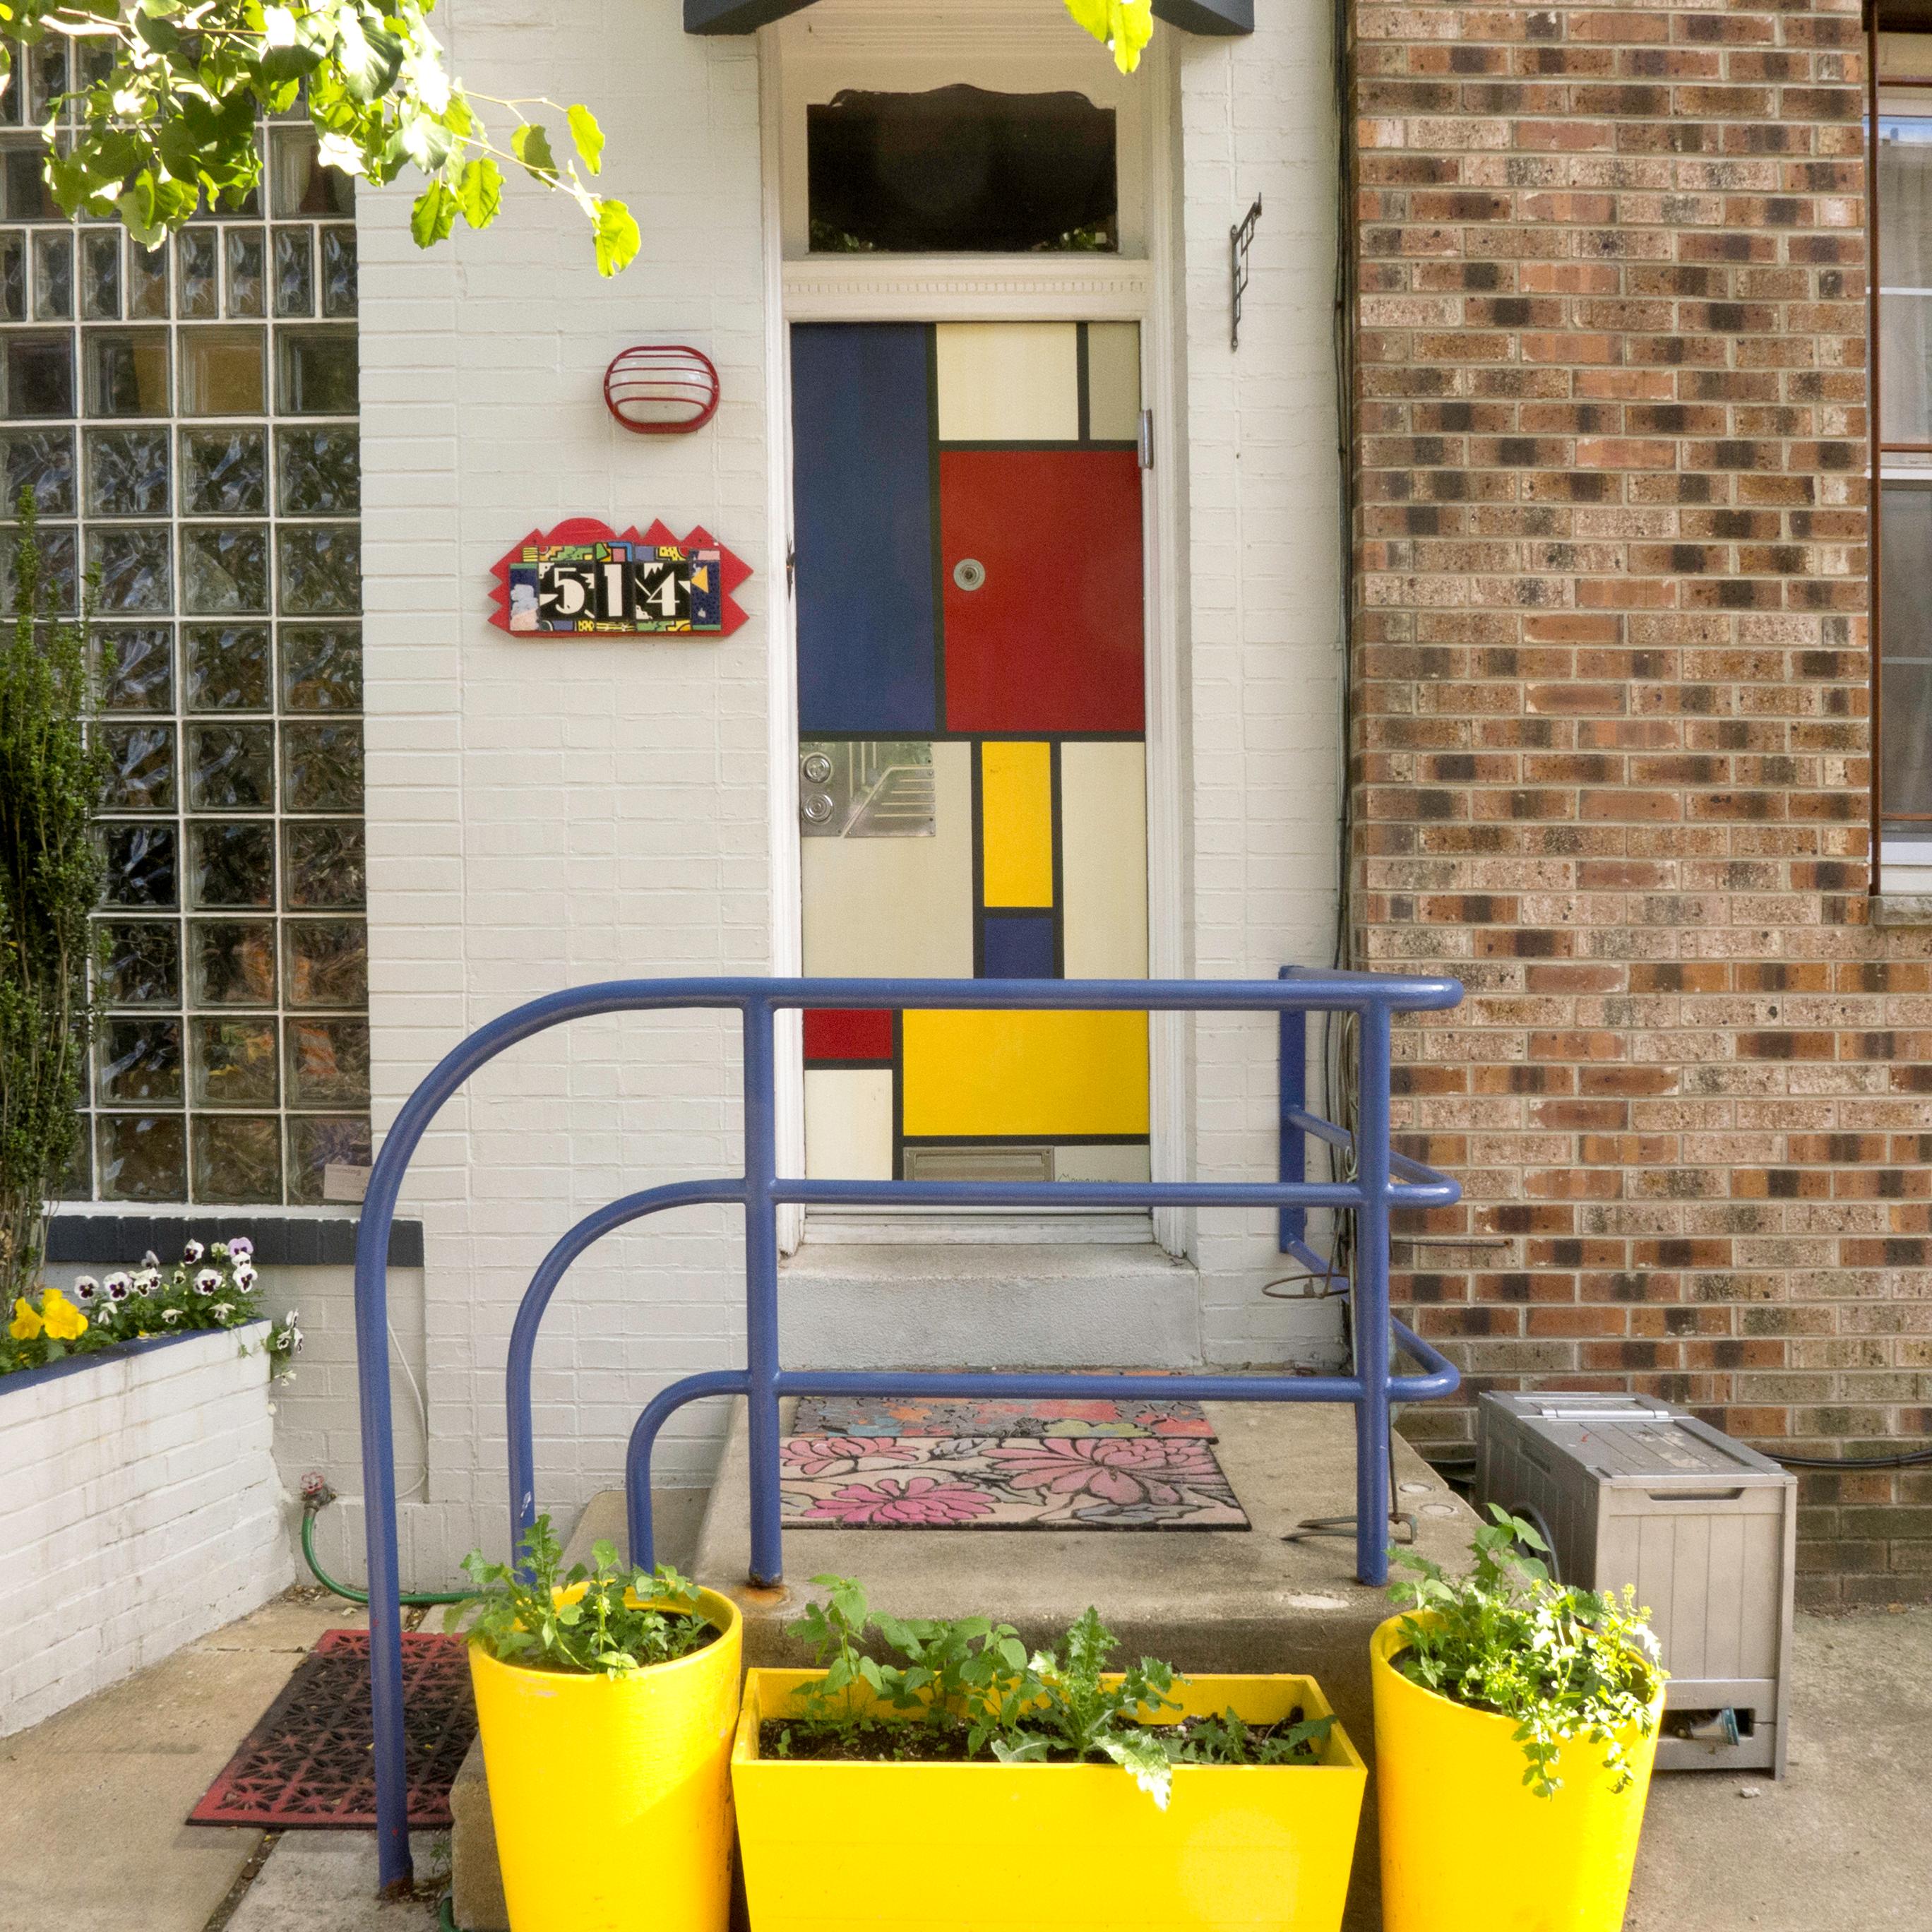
[1074,1714]
[607,1619]
[1565,1663]
[1227,1740]
[958,1672]
[967,1688]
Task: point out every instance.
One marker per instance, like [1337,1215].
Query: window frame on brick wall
[1902,840]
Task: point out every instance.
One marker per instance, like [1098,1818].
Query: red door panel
[1051,639]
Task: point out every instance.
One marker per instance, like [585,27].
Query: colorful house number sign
[583,578]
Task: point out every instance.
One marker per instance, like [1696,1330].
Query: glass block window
[186,418]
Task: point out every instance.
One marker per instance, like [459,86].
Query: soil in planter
[695,1633]
[888,1741]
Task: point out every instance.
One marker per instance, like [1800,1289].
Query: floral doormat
[1004,1482]
[307,1765]
[892,1415]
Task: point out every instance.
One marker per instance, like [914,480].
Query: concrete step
[938,1304]
[1205,1600]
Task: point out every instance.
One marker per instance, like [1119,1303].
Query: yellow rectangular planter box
[988,1847]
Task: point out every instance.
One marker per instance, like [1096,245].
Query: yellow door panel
[1016,824]
[1050,1073]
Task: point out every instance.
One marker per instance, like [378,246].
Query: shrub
[50,873]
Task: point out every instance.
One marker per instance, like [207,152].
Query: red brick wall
[1611,748]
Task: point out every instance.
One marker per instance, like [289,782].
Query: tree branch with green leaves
[164,119]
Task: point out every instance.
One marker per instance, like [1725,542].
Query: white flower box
[139,1509]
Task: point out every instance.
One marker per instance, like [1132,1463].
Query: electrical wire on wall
[1337,1036]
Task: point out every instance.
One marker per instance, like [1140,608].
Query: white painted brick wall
[547,814]
[542,814]
[139,1509]
[1257,117]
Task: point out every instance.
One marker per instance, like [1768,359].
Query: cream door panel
[1008,382]
[1103,858]
[897,907]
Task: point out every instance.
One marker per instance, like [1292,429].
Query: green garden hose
[410,1599]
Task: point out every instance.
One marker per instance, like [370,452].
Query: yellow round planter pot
[1466,1845]
[991,1847]
[611,1796]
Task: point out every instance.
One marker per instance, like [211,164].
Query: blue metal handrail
[1383,1181]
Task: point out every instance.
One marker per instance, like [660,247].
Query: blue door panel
[1018,945]
[863,496]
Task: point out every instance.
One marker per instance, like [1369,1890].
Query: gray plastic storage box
[1626,1490]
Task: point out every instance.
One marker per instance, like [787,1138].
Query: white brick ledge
[139,1509]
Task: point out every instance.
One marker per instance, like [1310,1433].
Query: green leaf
[140,211]
[157,34]
[433,216]
[427,142]
[368,58]
[618,241]
[588,135]
[530,144]
[479,191]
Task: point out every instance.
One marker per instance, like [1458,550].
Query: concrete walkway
[94,1798]
[1844,1843]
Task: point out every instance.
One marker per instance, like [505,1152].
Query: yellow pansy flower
[25,1325]
[64,1321]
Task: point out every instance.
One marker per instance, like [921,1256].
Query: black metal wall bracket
[1240,238]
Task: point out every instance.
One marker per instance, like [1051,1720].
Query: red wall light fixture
[663,388]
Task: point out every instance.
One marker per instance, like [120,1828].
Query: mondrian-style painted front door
[967,506]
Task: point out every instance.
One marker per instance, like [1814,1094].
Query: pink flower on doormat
[1124,1472]
[1069,1409]
[841,1455]
[1166,1422]
[918,1500]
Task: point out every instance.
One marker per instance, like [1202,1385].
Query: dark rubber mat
[307,1765]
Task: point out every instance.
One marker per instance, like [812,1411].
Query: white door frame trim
[1029,288]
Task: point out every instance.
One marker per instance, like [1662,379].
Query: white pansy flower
[208,1281]
[86,1290]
